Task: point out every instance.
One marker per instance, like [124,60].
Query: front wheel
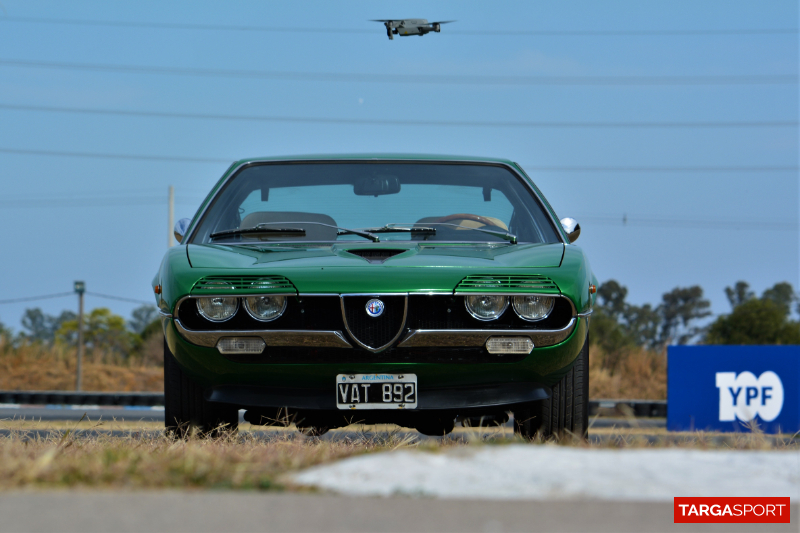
[566,413]
[185,407]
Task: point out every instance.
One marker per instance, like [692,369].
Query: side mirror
[180,229]
[377,186]
[572,228]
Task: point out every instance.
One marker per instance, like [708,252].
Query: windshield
[389,201]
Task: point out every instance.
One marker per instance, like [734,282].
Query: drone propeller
[443,22]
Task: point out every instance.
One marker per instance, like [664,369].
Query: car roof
[377,156]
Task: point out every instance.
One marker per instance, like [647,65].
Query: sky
[669,130]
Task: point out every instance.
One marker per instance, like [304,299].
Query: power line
[659,169]
[279,29]
[629,33]
[579,169]
[394,123]
[72,293]
[118,298]
[129,157]
[84,202]
[93,201]
[754,225]
[445,79]
[35,298]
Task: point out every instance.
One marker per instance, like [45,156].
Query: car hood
[338,269]
[351,255]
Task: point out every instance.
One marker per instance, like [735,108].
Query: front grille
[285,355]
[527,283]
[244,285]
[378,331]
[325,313]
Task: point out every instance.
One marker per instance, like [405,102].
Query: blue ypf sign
[730,388]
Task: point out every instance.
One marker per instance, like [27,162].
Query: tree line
[102,329]
[679,318]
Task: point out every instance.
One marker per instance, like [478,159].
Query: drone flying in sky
[408,27]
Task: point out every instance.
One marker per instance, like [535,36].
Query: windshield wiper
[281,232]
[510,237]
[389,228]
[262,228]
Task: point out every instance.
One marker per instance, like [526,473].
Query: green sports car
[416,290]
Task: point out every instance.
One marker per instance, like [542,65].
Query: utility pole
[80,288]
[171,216]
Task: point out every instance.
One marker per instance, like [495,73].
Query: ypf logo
[744,397]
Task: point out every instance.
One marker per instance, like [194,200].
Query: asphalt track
[198,512]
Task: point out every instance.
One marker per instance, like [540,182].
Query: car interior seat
[463,222]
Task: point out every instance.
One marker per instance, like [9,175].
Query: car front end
[417,324]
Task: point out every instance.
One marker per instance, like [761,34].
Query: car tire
[185,408]
[566,413]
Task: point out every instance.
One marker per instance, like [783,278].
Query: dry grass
[151,460]
[139,456]
[634,373]
[41,367]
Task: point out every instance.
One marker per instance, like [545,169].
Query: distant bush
[629,372]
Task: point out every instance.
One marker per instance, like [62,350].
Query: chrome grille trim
[446,338]
[298,338]
[377,295]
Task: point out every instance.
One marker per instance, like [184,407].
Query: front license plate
[376,391]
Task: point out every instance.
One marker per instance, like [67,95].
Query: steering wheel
[468,216]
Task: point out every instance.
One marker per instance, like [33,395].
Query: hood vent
[530,283]
[264,284]
[375,256]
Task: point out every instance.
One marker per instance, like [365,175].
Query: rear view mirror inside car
[377,185]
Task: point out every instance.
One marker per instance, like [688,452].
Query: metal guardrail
[49,397]
[636,408]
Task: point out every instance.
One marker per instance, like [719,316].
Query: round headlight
[265,308]
[217,308]
[533,308]
[486,307]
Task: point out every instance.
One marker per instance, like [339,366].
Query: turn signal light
[509,345]
[246,345]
